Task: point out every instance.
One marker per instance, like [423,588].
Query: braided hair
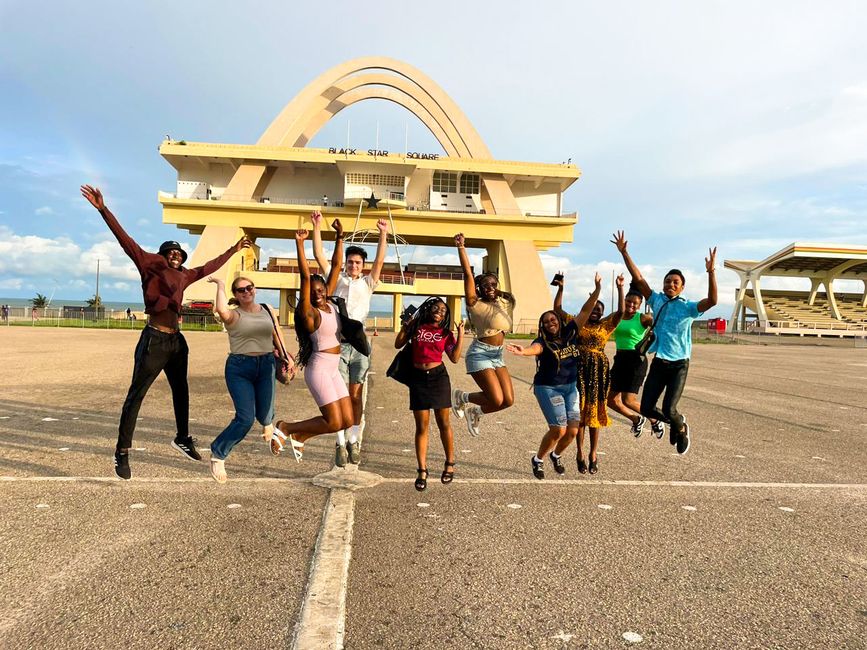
[424,316]
[305,343]
[553,343]
[500,294]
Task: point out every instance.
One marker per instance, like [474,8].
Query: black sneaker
[538,470]
[557,462]
[121,465]
[658,429]
[672,434]
[638,426]
[187,447]
[683,440]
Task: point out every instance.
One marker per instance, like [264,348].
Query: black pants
[156,352]
[668,376]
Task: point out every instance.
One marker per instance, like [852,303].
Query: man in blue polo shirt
[673,316]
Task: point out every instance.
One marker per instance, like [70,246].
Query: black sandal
[594,466]
[582,466]
[447,476]
[421,481]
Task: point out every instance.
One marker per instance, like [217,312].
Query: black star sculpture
[373,202]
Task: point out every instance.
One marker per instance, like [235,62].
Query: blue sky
[736,124]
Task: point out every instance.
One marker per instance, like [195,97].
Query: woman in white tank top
[249,366]
[317,324]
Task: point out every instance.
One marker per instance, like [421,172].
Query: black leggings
[668,376]
[156,352]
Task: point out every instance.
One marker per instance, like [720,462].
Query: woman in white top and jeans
[249,367]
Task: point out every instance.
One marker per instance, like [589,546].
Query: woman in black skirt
[429,334]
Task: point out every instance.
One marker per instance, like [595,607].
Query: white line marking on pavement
[137,506]
[466,481]
[739,456]
[816,458]
[562,636]
[49,419]
[604,506]
[423,505]
[233,506]
[690,508]
[63,449]
[322,622]
[42,505]
[787,509]
[514,506]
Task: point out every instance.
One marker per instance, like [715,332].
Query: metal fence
[95,319]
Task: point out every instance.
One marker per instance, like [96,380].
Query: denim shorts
[559,404]
[353,365]
[483,356]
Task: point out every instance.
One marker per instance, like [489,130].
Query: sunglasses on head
[248,289]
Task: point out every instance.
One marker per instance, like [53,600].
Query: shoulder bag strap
[274,324]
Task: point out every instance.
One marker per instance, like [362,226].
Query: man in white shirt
[356,289]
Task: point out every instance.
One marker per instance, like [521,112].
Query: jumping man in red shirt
[162,347]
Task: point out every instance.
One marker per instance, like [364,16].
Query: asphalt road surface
[754,539]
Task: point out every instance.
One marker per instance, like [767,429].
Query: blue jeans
[251,385]
[559,404]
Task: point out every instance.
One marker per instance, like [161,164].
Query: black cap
[167,246]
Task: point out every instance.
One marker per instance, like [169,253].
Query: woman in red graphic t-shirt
[429,333]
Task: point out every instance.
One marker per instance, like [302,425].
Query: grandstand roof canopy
[809,260]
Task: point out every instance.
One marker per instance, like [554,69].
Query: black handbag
[401,366]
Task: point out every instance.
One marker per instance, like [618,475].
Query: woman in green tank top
[629,368]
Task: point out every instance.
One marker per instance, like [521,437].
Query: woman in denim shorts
[554,385]
[490,312]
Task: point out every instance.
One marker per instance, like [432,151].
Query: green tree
[39,301]
[96,301]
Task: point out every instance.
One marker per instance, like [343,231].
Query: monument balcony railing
[836,326]
[313,202]
[388,277]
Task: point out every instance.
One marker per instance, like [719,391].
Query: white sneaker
[474,418]
[457,404]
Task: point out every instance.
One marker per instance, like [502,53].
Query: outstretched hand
[620,241]
[337,227]
[620,281]
[460,240]
[710,261]
[597,279]
[301,234]
[244,242]
[93,195]
[316,218]
[382,225]
[515,349]
[461,325]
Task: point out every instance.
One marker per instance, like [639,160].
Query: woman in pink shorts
[317,324]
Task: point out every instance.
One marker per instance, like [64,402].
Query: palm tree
[39,301]
[95,302]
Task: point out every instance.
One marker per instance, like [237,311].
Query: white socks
[341,437]
[353,433]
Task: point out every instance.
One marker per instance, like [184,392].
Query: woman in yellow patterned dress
[593,377]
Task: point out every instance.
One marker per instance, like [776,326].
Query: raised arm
[127,243]
[303,272]
[469,280]
[558,300]
[710,267]
[318,252]
[640,283]
[215,264]
[454,354]
[614,318]
[581,317]
[221,305]
[336,256]
[381,247]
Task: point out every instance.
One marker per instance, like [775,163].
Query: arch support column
[735,324]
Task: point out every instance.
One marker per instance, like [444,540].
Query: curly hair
[305,343]
[500,294]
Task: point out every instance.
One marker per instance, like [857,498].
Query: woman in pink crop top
[317,324]
[429,335]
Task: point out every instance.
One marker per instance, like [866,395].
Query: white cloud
[12,283]
[45,210]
